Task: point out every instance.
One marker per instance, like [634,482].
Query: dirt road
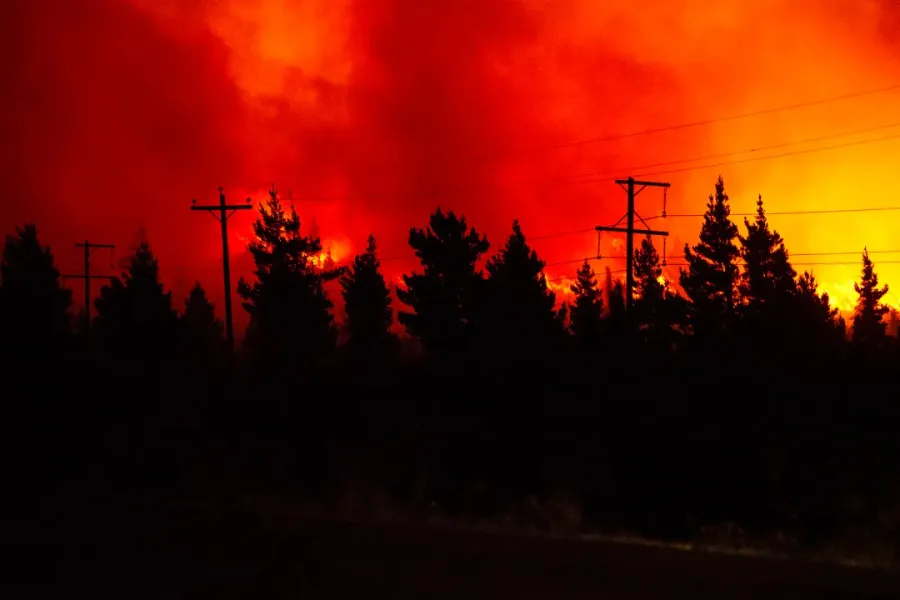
[318,559]
[191,557]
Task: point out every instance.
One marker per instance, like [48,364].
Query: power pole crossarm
[224,213]
[633,188]
[625,230]
[87,277]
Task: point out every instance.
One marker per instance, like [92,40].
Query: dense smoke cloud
[372,112]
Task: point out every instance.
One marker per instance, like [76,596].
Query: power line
[603,174]
[825,211]
[560,234]
[638,133]
[772,156]
[753,214]
[734,117]
[813,264]
[790,254]
[686,125]
[593,258]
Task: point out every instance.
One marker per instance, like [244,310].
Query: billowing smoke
[369,113]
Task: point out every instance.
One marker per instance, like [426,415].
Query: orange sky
[371,112]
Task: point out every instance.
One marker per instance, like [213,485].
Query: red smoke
[372,112]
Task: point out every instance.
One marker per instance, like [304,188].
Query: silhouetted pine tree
[647,273]
[202,342]
[135,319]
[656,310]
[521,315]
[710,280]
[868,318]
[367,302]
[614,290]
[816,322]
[768,276]
[447,296]
[586,310]
[290,322]
[616,324]
[34,307]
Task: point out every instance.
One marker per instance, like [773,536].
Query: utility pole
[629,186]
[225,211]
[87,277]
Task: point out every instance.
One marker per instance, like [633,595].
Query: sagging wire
[665,237]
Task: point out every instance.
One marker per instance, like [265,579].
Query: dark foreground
[189,556]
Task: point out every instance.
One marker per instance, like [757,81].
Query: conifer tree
[201,332]
[647,273]
[135,319]
[586,310]
[614,290]
[34,307]
[657,311]
[521,308]
[446,297]
[290,319]
[367,302]
[815,321]
[868,318]
[710,280]
[616,324]
[768,276]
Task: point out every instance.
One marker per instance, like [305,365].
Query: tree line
[740,396]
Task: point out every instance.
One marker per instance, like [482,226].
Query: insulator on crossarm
[664,247]
[598,246]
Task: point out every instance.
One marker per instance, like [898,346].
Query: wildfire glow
[333,253]
[562,288]
[373,112]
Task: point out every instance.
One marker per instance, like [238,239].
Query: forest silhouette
[740,397]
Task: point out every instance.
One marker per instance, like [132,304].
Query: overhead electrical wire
[636,170]
[597,175]
[586,176]
[649,131]
[714,120]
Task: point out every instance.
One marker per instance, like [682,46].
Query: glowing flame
[841,294]
[562,287]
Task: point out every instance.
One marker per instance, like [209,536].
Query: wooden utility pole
[86,276]
[224,213]
[629,186]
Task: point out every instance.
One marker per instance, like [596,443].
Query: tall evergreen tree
[290,319]
[520,307]
[447,296]
[710,280]
[34,307]
[586,311]
[868,318]
[768,276]
[647,273]
[657,311]
[614,291]
[367,302]
[135,319]
[815,321]
[202,342]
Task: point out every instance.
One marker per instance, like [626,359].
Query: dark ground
[189,556]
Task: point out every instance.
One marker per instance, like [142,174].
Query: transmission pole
[222,212]
[87,277]
[633,188]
